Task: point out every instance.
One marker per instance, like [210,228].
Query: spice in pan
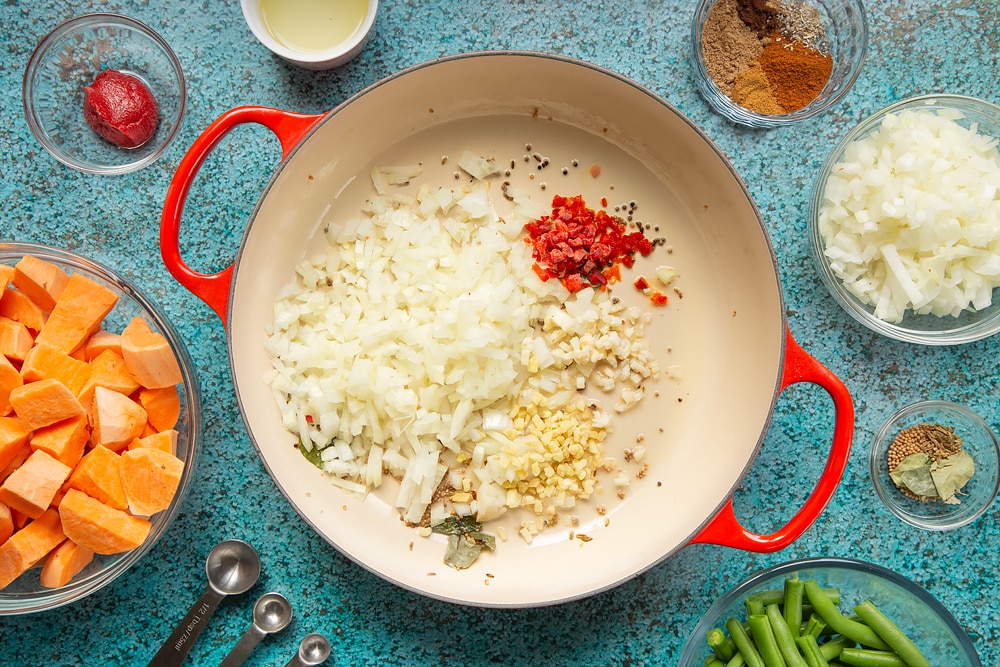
[927,462]
[768,56]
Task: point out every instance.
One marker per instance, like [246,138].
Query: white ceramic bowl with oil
[313,34]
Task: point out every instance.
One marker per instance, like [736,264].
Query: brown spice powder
[728,45]
[753,91]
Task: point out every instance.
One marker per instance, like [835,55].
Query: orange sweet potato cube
[117,419]
[101,341]
[44,361]
[29,546]
[162,405]
[99,475]
[107,370]
[42,281]
[44,402]
[13,438]
[10,378]
[98,527]
[31,488]
[63,440]
[150,478]
[15,339]
[78,314]
[148,355]
[165,441]
[63,563]
[21,455]
[6,276]
[18,306]
[6,523]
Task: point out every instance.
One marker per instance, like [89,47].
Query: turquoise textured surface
[915,47]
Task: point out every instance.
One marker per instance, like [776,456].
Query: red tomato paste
[121,108]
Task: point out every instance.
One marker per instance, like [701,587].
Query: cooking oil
[313,25]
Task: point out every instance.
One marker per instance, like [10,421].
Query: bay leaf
[952,473]
[914,474]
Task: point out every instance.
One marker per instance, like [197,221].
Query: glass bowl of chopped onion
[847,584]
[905,220]
[768,65]
[69,60]
[935,465]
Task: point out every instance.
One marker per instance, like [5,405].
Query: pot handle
[213,288]
[725,529]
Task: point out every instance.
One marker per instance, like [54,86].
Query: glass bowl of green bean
[843,611]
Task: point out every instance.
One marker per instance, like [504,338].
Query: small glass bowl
[68,59]
[847,36]
[978,439]
[925,620]
[26,594]
[925,329]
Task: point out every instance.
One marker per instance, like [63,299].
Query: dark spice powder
[759,15]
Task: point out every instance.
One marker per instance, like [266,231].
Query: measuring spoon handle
[177,646]
[244,647]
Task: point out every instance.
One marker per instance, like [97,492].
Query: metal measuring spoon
[271,613]
[314,649]
[233,567]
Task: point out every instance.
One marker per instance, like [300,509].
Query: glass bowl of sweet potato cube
[99,425]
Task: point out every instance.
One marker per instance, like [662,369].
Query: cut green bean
[792,604]
[754,605]
[775,595]
[743,643]
[859,632]
[810,650]
[863,657]
[712,661]
[784,638]
[815,626]
[831,649]
[721,645]
[891,634]
[737,661]
[763,637]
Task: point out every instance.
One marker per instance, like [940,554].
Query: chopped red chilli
[581,246]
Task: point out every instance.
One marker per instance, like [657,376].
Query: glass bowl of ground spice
[769,63]
[935,465]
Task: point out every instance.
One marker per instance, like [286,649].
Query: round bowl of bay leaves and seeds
[935,465]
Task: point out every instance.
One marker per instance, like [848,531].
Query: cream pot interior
[723,339]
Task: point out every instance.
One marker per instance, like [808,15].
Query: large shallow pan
[727,336]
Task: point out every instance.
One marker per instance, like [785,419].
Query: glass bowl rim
[743,116]
[35,62]
[881,436]
[45,599]
[695,639]
[968,333]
